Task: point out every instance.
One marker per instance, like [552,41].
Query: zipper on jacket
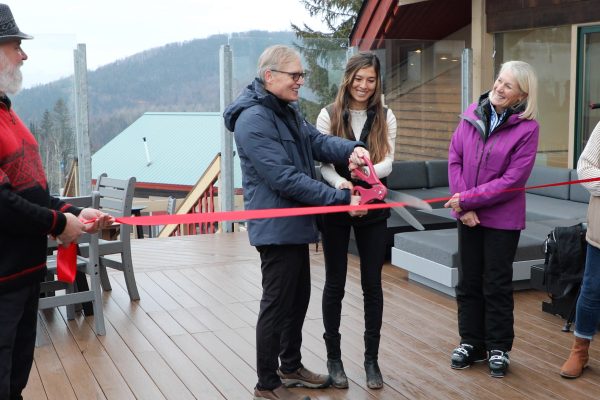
[12,117]
[487,157]
[480,159]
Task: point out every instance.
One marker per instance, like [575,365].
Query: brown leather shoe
[280,393]
[304,377]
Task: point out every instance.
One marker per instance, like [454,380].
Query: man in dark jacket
[277,150]
[28,214]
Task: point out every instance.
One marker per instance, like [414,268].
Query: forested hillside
[176,77]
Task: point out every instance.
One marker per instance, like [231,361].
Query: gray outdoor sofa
[431,256]
[425,180]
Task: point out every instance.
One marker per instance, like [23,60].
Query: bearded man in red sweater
[28,214]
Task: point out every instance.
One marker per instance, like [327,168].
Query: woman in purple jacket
[493,149]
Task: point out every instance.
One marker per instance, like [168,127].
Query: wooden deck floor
[192,336]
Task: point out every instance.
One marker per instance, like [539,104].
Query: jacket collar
[5,101]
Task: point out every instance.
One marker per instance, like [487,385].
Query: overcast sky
[114,29]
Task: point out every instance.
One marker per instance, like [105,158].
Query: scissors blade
[413,201]
[408,217]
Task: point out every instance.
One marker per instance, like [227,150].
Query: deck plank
[34,389]
[192,335]
[77,361]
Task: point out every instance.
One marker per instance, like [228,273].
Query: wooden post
[84,156]
[226,178]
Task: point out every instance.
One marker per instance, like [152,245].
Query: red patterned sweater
[28,214]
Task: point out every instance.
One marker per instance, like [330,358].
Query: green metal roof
[181,145]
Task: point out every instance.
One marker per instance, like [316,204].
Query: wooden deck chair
[116,198]
[73,295]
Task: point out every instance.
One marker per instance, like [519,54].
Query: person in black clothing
[357,114]
[277,150]
[28,214]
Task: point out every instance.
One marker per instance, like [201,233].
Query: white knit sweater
[589,167]
[358,118]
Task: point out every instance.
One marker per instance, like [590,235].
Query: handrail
[199,199]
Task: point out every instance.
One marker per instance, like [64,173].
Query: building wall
[511,15]
[529,30]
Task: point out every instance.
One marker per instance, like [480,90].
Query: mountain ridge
[182,76]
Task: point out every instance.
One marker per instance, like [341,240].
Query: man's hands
[100,219]
[73,229]
[356,161]
[75,225]
[354,201]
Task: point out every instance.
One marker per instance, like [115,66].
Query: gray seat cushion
[577,191]
[407,175]
[544,175]
[542,207]
[437,173]
[441,246]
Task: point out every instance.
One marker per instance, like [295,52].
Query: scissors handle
[377,191]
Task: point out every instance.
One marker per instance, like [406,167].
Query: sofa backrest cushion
[541,175]
[407,175]
[577,191]
[437,173]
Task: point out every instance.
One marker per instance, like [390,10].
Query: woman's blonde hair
[379,146]
[526,78]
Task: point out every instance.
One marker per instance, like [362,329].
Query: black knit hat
[8,27]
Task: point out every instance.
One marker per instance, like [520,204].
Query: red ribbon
[66,258]
[294,212]
[66,262]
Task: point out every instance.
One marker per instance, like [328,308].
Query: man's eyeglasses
[294,75]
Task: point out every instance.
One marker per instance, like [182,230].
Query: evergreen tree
[33,128]
[325,53]
[49,149]
[43,135]
[56,138]
[65,136]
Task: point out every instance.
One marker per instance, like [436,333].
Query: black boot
[334,361]
[374,377]
[337,373]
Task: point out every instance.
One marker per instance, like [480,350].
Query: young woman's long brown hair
[340,115]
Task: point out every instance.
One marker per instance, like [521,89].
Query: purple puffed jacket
[480,170]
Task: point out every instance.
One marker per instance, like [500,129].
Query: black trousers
[484,293]
[370,241]
[286,293]
[18,322]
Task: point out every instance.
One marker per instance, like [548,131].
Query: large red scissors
[376,191]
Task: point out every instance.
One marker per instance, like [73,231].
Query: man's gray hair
[273,57]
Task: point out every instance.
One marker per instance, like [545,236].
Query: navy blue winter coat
[277,150]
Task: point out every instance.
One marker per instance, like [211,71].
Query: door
[588,86]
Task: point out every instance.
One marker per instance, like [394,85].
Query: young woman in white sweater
[357,114]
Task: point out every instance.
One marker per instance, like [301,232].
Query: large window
[548,50]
